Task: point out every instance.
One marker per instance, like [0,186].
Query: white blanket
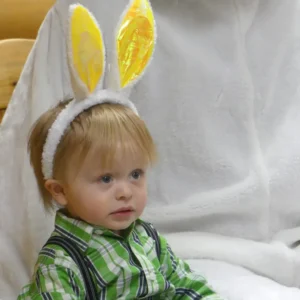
[241,284]
[222,101]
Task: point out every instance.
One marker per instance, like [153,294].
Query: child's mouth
[124,211]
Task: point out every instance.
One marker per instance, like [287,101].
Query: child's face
[113,198]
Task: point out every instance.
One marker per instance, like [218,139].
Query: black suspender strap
[151,231]
[75,253]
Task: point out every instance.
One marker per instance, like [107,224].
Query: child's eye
[136,174]
[106,178]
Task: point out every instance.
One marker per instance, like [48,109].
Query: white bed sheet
[237,283]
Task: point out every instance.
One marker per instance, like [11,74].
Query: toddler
[99,181]
[90,156]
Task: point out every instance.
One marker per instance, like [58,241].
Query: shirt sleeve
[54,282]
[188,284]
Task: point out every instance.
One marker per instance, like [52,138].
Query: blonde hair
[106,126]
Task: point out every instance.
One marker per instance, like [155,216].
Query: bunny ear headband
[134,44]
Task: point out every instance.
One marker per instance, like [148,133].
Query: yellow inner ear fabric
[87,47]
[135,41]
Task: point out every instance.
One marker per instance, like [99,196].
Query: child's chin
[120,225]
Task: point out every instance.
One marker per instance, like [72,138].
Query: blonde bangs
[107,128]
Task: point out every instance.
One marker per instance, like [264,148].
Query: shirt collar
[80,232]
[77,231]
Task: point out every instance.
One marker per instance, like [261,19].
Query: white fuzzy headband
[134,44]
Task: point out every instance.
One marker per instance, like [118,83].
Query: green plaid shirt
[123,267]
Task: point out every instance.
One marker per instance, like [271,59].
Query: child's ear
[56,189]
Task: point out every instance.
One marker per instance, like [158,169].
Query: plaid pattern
[123,267]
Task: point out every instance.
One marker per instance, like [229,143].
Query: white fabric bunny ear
[134,46]
[135,41]
[86,52]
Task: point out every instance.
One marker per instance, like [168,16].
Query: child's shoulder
[53,265]
[52,255]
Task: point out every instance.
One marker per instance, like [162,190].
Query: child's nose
[124,192]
